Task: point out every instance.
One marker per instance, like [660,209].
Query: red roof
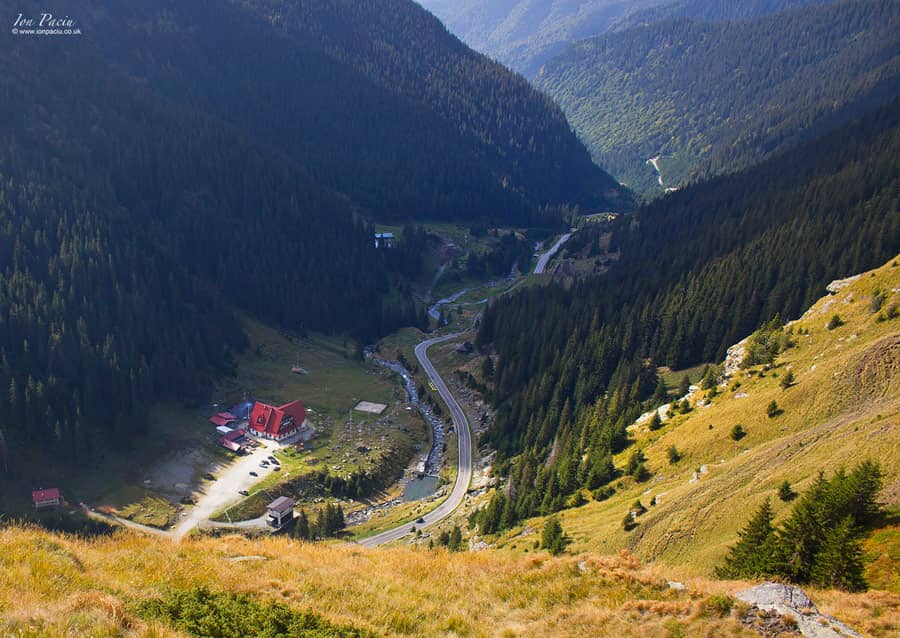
[229,445]
[279,421]
[234,435]
[51,494]
[222,418]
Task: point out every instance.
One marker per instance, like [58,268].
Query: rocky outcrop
[734,357]
[794,607]
[839,284]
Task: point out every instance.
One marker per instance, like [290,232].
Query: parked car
[253,474]
[244,493]
[277,468]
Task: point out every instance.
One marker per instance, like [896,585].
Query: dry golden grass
[56,586]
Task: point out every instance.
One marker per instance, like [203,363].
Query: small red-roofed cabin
[222,418]
[233,441]
[43,499]
[277,423]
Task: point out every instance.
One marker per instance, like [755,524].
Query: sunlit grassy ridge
[54,585]
[843,407]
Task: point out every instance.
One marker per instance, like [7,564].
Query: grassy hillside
[844,407]
[55,586]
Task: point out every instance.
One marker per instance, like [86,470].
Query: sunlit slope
[843,407]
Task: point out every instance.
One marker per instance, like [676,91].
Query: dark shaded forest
[375,100]
[180,162]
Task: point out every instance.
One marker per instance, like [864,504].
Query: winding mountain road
[464,462]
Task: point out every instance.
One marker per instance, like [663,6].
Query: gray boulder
[786,600]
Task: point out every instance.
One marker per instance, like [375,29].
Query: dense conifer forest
[375,100]
[700,270]
[709,11]
[154,181]
[524,34]
[714,97]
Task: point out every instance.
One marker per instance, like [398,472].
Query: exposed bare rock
[794,607]
[734,358]
[839,284]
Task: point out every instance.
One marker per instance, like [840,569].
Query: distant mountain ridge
[524,34]
[710,11]
[712,97]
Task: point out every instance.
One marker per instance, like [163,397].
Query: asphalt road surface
[464,462]
[544,259]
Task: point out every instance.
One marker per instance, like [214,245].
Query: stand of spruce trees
[819,542]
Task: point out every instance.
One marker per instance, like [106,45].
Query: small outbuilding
[222,419]
[46,498]
[281,512]
[384,240]
[234,440]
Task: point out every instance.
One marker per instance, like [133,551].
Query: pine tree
[301,527]
[751,556]
[553,538]
[637,458]
[454,542]
[802,534]
[786,492]
[320,529]
[685,386]
[655,422]
[787,380]
[839,564]
[641,473]
[487,368]
[674,454]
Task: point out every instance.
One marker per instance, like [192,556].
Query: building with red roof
[233,440]
[277,423]
[50,497]
[223,418]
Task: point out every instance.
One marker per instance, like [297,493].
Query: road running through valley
[464,461]
[544,259]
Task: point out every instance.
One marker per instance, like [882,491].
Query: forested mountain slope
[713,97]
[125,236]
[523,34]
[710,11]
[700,270]
[193,170]
[376,100]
